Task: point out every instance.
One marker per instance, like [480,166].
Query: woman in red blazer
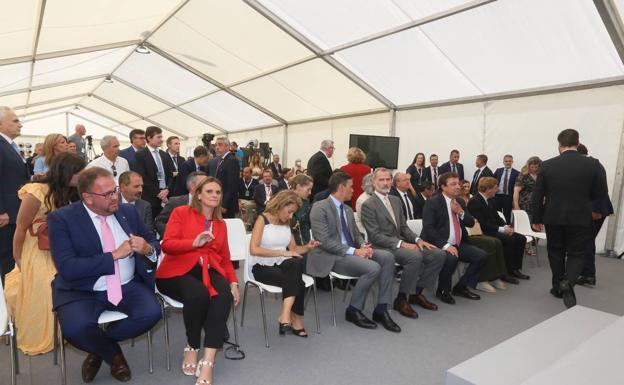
[196,270]
[358,170]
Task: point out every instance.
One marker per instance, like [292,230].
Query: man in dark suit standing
[173,150]
[246,202]
[483,209]
[201,156]
[192,181]
[432,172]
[224,167]
[421,198]
[137,142]
[156,168]
[482,171]
[444,220]
[264,191]
[453,165]
[275,166]
[15,174]
[562,203]
[402,189]
[601,209]
[506,177]
[319,167]
[97,245]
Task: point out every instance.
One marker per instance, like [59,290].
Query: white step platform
[523,357]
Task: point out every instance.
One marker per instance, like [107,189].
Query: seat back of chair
[522,224]
[4,312]
[502,216]
[475,230]
[237,239]
[415,225]
[248,275]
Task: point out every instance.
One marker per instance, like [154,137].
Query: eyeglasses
[114,170]
[107,195]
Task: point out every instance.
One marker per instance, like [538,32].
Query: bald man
[77,138]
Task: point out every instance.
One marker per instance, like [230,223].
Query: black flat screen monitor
[381,151]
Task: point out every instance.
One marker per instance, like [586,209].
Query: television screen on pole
[381,151]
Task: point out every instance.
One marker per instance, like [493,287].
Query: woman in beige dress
[27,287]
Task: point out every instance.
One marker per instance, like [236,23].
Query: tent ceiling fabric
[226,66]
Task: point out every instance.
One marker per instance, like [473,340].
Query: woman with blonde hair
[53,144]
[197,271]
[256,166]
[277,259]
[357,169]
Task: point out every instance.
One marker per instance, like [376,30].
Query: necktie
[505,181]
[161,170]
[345,228]
[435,177]
[456,228]
[175,162]
[389,208]
[218,165]
[16,148]
[269,192]
[454,169]
[113,281]
[408,206]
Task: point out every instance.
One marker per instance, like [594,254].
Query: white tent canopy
[292,72]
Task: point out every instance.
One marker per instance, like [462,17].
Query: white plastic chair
[105,318]
[236,239]
[333,275]
[415,225]
[7,329]
[250,281]
[522,225]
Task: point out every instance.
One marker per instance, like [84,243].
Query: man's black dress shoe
[510,279]
[445,297]
[90,367]
[465,292]
[387,322]
[586,280]
[556,293]
[359,319]
[569,298]
[519,274]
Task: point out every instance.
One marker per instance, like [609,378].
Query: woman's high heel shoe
[284,328]
[200,365]
[186,367]
[300,332]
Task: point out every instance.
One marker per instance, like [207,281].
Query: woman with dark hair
[358,170]
[300,222]
[523,192]
[277,258]
[465,190]
[284,178]
[197,271]
[28,285]
[417,171]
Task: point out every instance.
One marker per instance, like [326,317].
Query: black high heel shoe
[284,328]
[300,332]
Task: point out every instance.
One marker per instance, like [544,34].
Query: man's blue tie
[345,228]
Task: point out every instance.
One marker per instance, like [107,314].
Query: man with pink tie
[97,244]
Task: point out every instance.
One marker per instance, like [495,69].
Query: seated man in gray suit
[343,250]
[385,224]
[192,181]
[130,190]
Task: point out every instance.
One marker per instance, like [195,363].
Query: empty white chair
[250,281]
[6,329]
[522,225]
[237,236]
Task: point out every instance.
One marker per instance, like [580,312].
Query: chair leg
[132,343]
[55,339]
[244,303]
[150,354]
[346,290]
[13,360]
[316,313]
[333,301]
[62,353]
[166,332]
[264,321]
[13,344]
[537,252]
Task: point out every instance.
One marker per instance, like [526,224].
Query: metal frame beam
[254,4]
[42,6]
[51,85]
[45,116]
[613,23]
[27,106]
[79,116]
[618,186]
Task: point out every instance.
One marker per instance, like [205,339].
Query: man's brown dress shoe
[404,308]
[120,369]
[90,367]
[419,299]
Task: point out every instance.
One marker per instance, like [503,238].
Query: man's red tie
[457,229]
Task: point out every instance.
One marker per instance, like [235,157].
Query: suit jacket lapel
[123,222]
[334,212]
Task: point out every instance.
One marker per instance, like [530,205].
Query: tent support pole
[618,189]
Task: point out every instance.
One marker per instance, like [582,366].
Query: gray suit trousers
[420,268]
[379,268]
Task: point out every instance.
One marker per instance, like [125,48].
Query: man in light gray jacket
[343,250]
[384,221]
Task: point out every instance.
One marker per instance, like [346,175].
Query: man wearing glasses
[110,159]
[98,245]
